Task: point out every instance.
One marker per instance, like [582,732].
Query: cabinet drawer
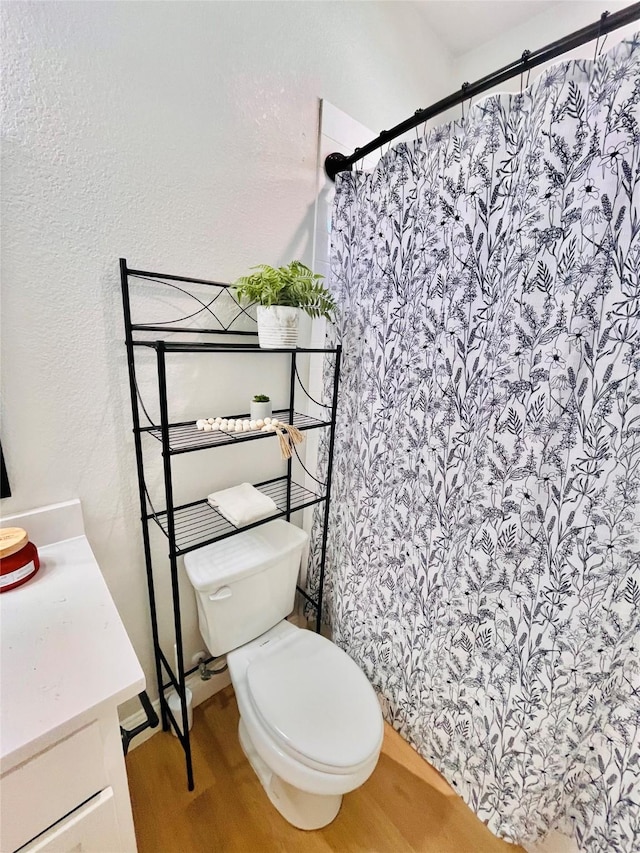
[93,828]
[44,789]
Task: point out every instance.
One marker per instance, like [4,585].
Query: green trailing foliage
[261,398]
[294,285]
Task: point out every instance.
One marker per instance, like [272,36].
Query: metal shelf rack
[193,525]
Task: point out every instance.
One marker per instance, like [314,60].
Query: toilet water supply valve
[288,434]
[205,672]
[203,662]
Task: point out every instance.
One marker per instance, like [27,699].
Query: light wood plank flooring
[405,806]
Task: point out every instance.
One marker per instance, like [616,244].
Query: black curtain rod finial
[335,163]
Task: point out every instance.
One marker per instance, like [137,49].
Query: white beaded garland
[237,425]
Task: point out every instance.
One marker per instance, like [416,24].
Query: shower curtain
[484,556]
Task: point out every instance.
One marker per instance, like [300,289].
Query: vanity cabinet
[67,663]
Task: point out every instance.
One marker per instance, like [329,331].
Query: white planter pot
[260,411]
[277,326]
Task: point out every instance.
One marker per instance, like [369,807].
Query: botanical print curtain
[484,562]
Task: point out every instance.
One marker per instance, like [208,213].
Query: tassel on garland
[288,436]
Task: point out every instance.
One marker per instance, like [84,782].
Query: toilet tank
[245,584]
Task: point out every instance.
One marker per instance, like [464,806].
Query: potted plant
[280,294]
[260,407]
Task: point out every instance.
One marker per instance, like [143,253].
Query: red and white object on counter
[19,559]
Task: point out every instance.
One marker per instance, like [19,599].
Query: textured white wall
[182,136]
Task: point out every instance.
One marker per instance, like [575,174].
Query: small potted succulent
[280,293]
[260,407]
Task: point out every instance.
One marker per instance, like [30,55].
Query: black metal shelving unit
[193,525]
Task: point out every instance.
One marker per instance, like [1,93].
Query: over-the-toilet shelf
[196,524]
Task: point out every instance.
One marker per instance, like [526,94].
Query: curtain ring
[604,41]
[417,112]
[463,89]
[382,133]
[603,18]
[524,59]
[359,164]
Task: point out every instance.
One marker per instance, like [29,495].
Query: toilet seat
[315,702]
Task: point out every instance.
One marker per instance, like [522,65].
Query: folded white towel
[242,504]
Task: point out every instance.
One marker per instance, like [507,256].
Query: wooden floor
[405,805]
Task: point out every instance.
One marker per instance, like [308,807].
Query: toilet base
[299,808]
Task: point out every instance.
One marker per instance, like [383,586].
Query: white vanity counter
[66,664]
[64,651]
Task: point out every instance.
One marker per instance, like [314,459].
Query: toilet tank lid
[242,555]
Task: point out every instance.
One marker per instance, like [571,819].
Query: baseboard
[201,690]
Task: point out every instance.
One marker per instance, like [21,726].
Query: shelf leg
[325,525]
[173,559]
[135,416]
[292,392]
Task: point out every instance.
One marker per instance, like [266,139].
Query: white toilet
[310,722]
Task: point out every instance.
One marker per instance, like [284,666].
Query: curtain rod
[337,162]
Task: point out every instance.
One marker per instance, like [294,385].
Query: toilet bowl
[310,722]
